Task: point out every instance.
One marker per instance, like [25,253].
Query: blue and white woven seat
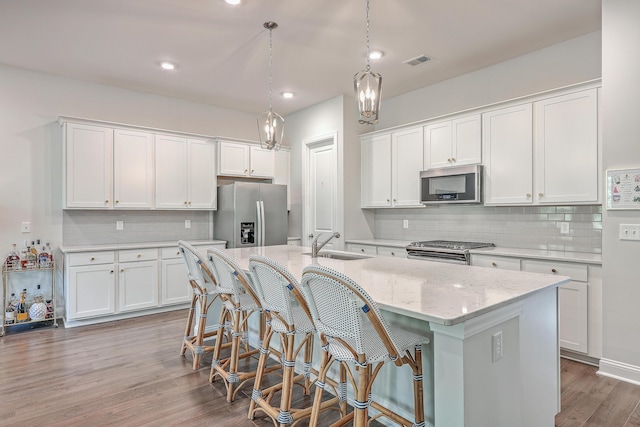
[354,332]
[287,315]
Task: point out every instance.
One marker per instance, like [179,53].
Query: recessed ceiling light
[233,2]
[288,95]
[376,54]
[167,65]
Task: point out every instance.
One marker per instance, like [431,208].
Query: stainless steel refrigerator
[251,214]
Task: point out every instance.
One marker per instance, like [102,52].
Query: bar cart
[38,279]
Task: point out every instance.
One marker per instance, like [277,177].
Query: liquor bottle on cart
[21,313]
[13,259]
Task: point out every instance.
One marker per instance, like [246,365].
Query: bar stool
[241,301]
[287,315]
[353,331]
[202,282]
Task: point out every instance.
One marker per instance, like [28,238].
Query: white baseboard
[620,371]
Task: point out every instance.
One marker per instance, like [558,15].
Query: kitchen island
[494,356]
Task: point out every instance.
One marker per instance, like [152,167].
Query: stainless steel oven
[454,252]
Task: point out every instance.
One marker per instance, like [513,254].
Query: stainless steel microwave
[457,184]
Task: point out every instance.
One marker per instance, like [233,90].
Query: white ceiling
[222,51]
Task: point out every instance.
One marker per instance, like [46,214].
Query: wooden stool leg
[361,403]
[325,364]
[232,377]
[308,355]
[198,348]
[217,350]
[262,362]
[188,330]
[418,391]
[284,418]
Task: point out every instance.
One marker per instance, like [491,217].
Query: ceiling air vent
[417,60]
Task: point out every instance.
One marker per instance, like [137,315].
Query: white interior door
[320,199]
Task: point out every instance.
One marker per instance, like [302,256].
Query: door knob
[311,236]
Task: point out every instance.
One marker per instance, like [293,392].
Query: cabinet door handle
[553,270]
[93,259]
[528,195]
[540,195]
[106,202]
[117,201]
[111,271]
[387,200]
[493,264]
[122,270]
[139,255]
[394,200]
[185,202]
[393,254]
[453,160]
[251,170]
[245,171]
[361,249]
[177,252]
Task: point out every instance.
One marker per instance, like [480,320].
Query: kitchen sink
[345,256]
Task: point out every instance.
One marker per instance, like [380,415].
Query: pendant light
[368,86]
[270,123]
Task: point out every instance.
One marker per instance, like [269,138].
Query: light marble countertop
[125,246]
[582,257]
[441,293]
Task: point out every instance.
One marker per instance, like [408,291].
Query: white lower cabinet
[362,249]
[391,251]
[579,301]
[137,279]
[103,284]
[91,280]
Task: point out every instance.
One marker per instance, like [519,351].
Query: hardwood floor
[129,373]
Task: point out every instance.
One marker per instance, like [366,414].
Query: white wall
[30,159]
[621,149]
[330,116]
[576,60]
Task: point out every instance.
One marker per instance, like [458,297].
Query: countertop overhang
[440,293]
[124,246]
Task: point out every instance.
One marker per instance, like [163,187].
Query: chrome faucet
[315,248]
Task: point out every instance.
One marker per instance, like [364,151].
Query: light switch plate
[119,225]
[564,228]
[405,223]
[25,227]
[629,232]
[187,223]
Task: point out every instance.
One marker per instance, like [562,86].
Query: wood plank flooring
[129,373]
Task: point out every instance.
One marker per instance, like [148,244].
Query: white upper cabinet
[202,182]
[391,165]
[566,148]
[454,142]
[281,173]
[376,171]
[245,160]
[262,162]
[406,163]
[185,173]
[88,166]
[508,157]
[233,159]
[132,169]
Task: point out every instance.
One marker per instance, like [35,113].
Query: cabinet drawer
[502,263]
[169,253]
[138,255]
[89,258]
[392,251]
[577,272]
[362,249]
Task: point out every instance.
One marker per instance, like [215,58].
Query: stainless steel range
[444,250]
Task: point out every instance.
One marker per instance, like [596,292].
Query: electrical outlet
[25,227]
[564,228]
[119,225]
[187,223]
[405,223]
[496,345]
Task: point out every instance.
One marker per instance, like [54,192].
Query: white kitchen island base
[465,308]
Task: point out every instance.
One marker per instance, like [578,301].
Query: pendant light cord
[270,68]
[368,50]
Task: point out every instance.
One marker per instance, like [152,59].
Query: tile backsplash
[525,227]
[93,227]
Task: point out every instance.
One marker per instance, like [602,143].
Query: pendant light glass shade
[368,87]
[270,123]
[271,129]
